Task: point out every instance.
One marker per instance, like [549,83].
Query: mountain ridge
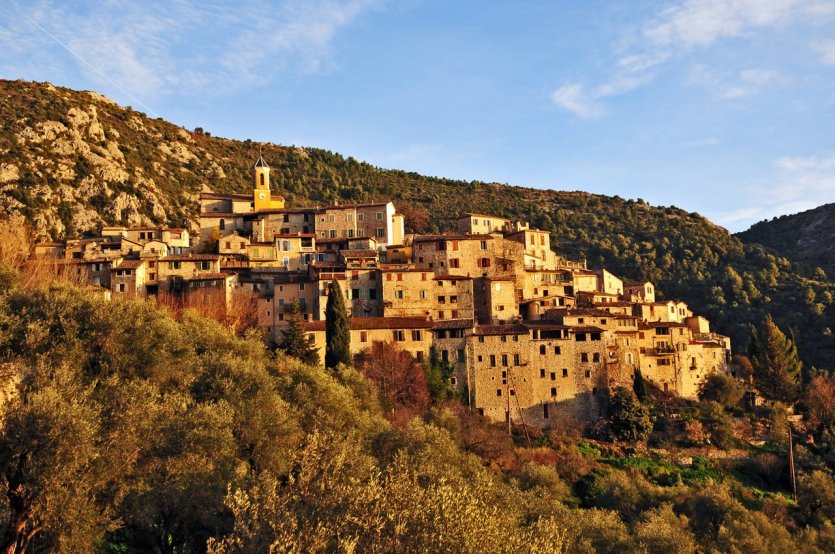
[71,162]
[807,237]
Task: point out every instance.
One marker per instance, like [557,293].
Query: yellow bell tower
[261,193]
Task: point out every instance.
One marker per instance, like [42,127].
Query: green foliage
[438,375]
[295,342]
[639,386]
[628,418]
[718,424]
[777,368]
[337,328]
[721,388]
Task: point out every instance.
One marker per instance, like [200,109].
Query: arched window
[262,179]
[222,224]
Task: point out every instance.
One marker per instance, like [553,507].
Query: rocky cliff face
[73,161]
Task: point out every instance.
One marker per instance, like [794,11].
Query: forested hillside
[72,161]
[807,237]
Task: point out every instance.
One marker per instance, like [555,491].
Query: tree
[777,368]
[438,373]
[639,386]
[400,379]
[819,402]
[295,341]
[629,419]
[337,328]
[721,388]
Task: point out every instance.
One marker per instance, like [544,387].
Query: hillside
[71,161]
[807,237]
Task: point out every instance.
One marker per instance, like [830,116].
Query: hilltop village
[530,334]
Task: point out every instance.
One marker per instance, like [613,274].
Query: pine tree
[639,386]
[337,328]
[295,341]
[777,368]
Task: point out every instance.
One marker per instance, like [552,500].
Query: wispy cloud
[687,25]
[802,183]
[726,86]
[148,48]
[826,49]
[575,99]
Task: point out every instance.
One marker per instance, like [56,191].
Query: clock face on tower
[262,195]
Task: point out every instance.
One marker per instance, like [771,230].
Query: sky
[723,107]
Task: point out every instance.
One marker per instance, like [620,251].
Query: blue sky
[725,107]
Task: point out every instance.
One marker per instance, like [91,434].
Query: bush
[628,418]
[722,389]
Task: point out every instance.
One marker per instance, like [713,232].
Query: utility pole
[791,466]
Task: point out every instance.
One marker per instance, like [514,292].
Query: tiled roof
[586,329]
[483,215]
[130,264]
[454,324]
[358,253]
[208,276]
[191,258]
[451,236]
[508,329]
[654,324]
[372,323]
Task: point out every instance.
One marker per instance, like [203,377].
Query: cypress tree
[639,386]
[337,328]
[777,368]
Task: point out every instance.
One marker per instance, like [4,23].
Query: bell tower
[261,193]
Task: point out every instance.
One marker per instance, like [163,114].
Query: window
[584,357]
[332,233]
[492,360]
[350,233]
[588,373]
[173,265]
[372,294]
[484,245]
[355,294]
[565,372]
[363,336]
[121,287]
[379,216]
[399,276]
[504,360]
[595,357]
[557,350]
[516,359]
[415,335]
[498,392]
[553,392]
[379,232]
[398,294]
[360,217]
[542,373]
[462,356]
[399,335]
[423,294]
[542,349]
[222,224]
[441,314]
[442,300]
[454,263]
